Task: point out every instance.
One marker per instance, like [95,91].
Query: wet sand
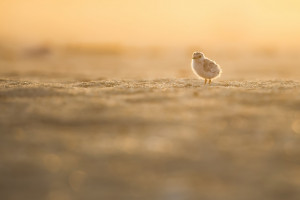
[162,139]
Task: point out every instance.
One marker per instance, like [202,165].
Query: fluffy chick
[204,68]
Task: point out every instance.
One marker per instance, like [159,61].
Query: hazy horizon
[157,23]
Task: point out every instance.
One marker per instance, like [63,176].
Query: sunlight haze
[152,23]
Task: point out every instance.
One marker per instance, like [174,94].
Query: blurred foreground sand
[76,129]
[155,139]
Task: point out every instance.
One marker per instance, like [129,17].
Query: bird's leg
[205,81]
[209,81]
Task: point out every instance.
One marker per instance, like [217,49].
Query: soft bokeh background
[250,39]
[156,23]
[98,101]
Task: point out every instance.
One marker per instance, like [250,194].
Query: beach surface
[149,139]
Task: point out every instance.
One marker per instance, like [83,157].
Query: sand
[162,139]
[132,125]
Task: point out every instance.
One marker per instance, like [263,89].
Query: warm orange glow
[152,23]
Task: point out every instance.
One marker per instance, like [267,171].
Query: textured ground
[164,139]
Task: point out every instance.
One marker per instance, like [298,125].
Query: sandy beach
[98,100]
[149,139]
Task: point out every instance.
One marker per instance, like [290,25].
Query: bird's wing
[209,66]
[206,65]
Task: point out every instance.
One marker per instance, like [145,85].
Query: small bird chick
[204,68]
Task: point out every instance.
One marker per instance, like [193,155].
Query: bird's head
[198,55]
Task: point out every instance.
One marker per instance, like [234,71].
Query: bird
[205,68]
